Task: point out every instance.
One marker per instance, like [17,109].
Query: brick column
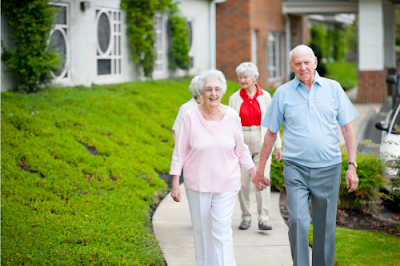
[371,86]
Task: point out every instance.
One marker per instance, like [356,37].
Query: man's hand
[176,190]
[278,155]
[351,179]
[260,181]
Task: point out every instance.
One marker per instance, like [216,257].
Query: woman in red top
[251,103]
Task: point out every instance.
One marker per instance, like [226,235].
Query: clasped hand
[261,182]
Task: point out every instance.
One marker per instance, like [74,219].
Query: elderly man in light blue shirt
[310,106]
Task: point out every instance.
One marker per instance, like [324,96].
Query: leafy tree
[31,21]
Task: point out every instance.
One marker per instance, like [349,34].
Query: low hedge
[369,172]
[79,172]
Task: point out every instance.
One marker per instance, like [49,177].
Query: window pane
[190,33]
[103,67]
[103,32]
[58,44]
[61,17]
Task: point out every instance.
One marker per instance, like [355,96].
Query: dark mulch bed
[353,220]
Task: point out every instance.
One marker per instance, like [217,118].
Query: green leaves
[31,59]
[142,37]
[179,51]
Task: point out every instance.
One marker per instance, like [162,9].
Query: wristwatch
[353,164]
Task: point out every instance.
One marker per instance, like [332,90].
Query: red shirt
[250,111]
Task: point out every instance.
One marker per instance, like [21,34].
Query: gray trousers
[322,184]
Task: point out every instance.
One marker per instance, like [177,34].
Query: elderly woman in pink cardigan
[209,148]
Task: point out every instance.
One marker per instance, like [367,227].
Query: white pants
[253,140]
[211,215]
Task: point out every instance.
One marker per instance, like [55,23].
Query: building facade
[91,37]
[255,31]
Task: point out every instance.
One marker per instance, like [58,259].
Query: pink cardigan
[210,158]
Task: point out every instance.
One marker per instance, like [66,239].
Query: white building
[92,36]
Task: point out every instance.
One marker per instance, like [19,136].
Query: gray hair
[194,85]
[248,68]
[213,73]
[302,47]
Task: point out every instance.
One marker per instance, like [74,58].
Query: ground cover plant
[344,72]
[79,172]
[363,248]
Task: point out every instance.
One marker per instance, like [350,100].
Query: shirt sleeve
[278,142]
[346,111]
[178,119]
[273,118]
[241,149]
[181,147]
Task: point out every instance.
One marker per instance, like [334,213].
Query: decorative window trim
[115,49]
[275,42]
[254,42]
[192,52]
[160,49]
[64,29]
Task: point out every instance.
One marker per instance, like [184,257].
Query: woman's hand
[260,186]
[176,190]
[278,155]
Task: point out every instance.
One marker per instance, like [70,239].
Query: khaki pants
[252,138]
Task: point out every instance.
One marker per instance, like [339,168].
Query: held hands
[351,179]
[176,190]
[260,181]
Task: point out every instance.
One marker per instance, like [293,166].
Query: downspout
[287,35]
[213,33]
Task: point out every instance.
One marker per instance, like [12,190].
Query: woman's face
[246,81]
[212,92]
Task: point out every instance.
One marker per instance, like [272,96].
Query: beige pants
[252,138]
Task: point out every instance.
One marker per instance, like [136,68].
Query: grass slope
[79,172]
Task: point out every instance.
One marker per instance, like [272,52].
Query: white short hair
[213,73]
[194,85]
[302,47]
[248,68]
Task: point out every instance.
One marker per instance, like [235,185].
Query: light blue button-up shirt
[310,135]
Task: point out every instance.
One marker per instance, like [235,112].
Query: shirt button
[251,102]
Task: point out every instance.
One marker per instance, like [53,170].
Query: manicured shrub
[369,171]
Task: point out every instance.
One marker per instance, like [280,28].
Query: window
[109,52]
[190,33]
[59,41]
[159,44]
[275,55]
[254,47]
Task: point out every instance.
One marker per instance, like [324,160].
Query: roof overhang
[319,7]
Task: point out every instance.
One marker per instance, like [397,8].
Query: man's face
[303,65]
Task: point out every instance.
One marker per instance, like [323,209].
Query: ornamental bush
[31,21]
[141,34]
[369,172]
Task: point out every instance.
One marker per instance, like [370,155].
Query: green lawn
[62,205]
[343,72]
[364,248]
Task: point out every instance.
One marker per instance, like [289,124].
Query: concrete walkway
[172,224]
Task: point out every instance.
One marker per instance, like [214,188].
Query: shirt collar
[317,79]
[258,92]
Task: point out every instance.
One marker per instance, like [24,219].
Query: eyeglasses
[209,90]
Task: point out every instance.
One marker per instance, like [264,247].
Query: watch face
[354,164]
